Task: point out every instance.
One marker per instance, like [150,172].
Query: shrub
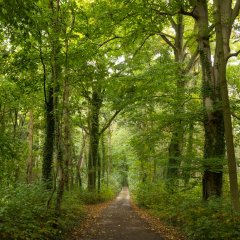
[95,197]
[185,209]
[23,213]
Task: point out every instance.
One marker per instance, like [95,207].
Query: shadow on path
[119,221]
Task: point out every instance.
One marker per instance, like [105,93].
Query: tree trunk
[175,146]
[53,92]
[67,136]
[109,154]
[223,27]
[80,161]
[99,172]
[60,166]
[213,117]
[30,148]
[174,160]
[189,156]
[96,102]
[103,157]
[49,140]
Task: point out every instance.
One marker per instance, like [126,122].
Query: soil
[121,220]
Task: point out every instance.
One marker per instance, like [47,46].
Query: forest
[96,95]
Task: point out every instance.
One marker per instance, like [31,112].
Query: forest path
[119,221]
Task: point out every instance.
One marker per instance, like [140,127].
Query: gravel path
[119,221]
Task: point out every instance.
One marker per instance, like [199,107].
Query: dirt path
[118,221]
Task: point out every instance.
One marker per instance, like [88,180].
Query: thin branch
[44,75]
[234,115]
[161,13]
[235,11]
[140,47]
[187,42]
[191,14]
[233,54]
[110,121]
[174,25]
[192,61]
[165,38]
[211,28]
[168,35]
[108,40]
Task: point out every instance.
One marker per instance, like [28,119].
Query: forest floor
[122,220]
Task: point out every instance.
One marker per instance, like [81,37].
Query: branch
[211,28]
[235,11]
[108,40]
[140,47]
[164,37]
[192,61]
[168,35]
[109,121]
[233,55]
[161,13]
[191,14]
[174,25]
[234,115]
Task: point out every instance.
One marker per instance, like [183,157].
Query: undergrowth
[24,214]
[97,197]
[197,219]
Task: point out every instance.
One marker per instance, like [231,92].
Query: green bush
[95,197]
[185,209]
[151,196]
[72,211]
[23,213]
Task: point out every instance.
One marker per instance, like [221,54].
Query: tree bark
[30,148]
[49,140]
[223,26]
[214,146]
[53,91]
[80,161]
[175,146]
[96,103]
[103,156]
[67,136]
[189,156]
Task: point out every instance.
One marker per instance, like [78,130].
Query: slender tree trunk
[175,146]
[61,178]
[80,161]
[30,148]
[174,160]
[223,27]
[103,157]
[49,140]
[67,136]
[96,102]
[99,172]
[109,154]
[53,92]
[189,155]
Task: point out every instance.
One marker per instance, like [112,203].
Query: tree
[224,19]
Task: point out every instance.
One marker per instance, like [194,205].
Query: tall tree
[51,97]
[213,116]
[224,20]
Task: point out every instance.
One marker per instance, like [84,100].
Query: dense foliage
[100,94]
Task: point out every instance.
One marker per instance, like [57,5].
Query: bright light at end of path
[124,194]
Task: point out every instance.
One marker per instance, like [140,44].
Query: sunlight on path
[124,194]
